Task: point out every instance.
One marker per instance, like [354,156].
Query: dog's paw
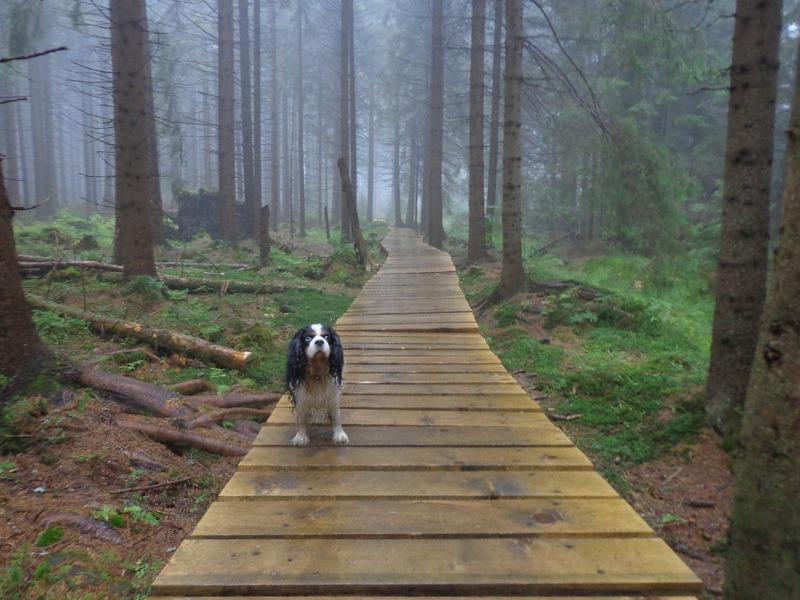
[340,437]
[301,439]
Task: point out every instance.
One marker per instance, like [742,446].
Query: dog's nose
[320,343]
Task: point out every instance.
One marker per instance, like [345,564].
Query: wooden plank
[356,378]
[252,485]
[439,458]
[470,565]
[316,597]
[358,368]
[435,388]
[545,434]
[439,418]
[611,517]
[515,403]
[398,319]
[374,357]
[443,328]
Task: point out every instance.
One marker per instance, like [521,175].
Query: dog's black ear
[336,360]
[295,361]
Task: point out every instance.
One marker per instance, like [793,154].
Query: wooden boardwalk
[455,483]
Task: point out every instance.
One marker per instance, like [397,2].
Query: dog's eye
[308,338]
[325,337]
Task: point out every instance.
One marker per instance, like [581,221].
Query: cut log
[173,436]
[158,338]
[153,398]
[192,386]
[233,400]
[227,414]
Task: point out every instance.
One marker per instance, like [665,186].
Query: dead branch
[158,338]
[153,486]
[192,386]
[8,59]
[543,249]
[227,414]
[86,525]
[173,436]
[233,400]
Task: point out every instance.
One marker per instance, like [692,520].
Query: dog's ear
[295,361]
[336,360]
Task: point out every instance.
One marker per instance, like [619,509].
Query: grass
[630,365]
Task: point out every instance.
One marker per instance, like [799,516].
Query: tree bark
[476,245]
[173,436]
[371,157]
[344,106]
[744,238]
[301,162]
[512,276]
[351,79]
[287,158]
[264,239]
[494,121]
[398,219]
[226,153]
[352,210]
[435,233]
[763,560]
[411,206]
[251,210]
[158,338]
[257,141]
[132,139]
[275,156]
[156,201]
[21,350]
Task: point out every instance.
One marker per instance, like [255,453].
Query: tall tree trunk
[741,284]
[494,121]
[132,137]
[435,233]
[156,202]
[476,246]
[763,559]
[42,137]
[320,139]
[21,350]
[351,77]
[344,104]
[287,169]
[412,175]
[258,181]
[251,210]
[512,276]
[301,162]
[225,121]
[398,219]
[90,165]
[371,157]
[275,156]
[8,121]
[208,139]
[350,205]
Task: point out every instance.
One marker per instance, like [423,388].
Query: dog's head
[314,350]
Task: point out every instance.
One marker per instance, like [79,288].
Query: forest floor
[91,510]
[623,376]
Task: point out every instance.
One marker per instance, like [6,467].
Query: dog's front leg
[301,437]
[339,436]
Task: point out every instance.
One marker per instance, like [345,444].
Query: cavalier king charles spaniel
[314,363]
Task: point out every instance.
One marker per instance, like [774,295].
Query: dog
[314,364]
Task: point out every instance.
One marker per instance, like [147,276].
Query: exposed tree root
[158,338]
[227,414]
[170,435]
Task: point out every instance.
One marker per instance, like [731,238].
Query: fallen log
[543,249]
[173,436]
[225,286]
[192,386]
[39,266]
[232,400]
[152,398]
[86,525]
[158,338]
[177,264]
[227,414]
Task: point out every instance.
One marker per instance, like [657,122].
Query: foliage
[54,329]
[50,536]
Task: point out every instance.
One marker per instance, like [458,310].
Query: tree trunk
[132,143]
[8,123]
[251,210]
[258,181]
[350,206]
[275,156]
[494,121]
[344,106]
[264,239]
[512,276]
[744,239]
[763,559]
[412,176]
[476,246]
[21,350]
[320,138]
[371,157]
[435,233]
[226,152]
[351,78]
[398,219]
[301,162]
[156,202]
[42,137]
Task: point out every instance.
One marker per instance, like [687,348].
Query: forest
[184,183]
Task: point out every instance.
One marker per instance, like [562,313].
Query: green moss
[50,536]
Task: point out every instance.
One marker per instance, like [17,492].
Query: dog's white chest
[315,398]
